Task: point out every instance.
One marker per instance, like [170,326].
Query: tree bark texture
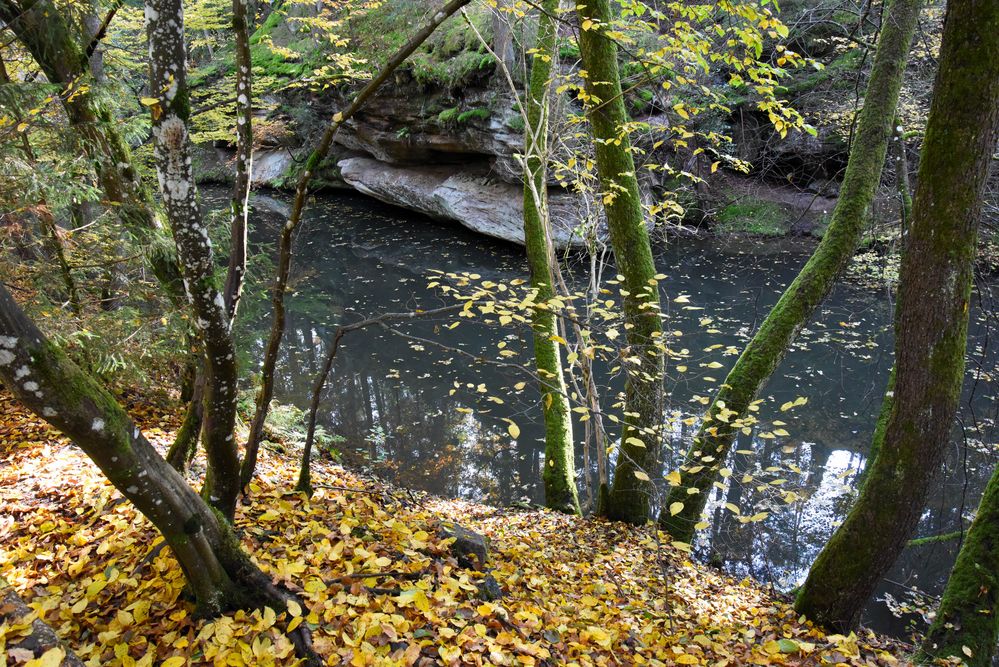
[168,82]
[931,322]
[638,455]
[239,222]
[559,474]
[968,615]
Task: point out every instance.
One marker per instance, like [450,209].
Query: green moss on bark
[968,616]
[631,492]
[769,345]
[931,331]
[559,473]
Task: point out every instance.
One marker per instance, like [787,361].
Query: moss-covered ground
[753,216]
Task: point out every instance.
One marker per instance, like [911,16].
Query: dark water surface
[392,402]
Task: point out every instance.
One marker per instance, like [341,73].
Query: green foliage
[448,116]
[568,50]
[450,58]
[287,425]
[840,74]
[473,114]
[130,348]
[455,116]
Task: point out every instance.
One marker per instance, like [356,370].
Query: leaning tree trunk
[219,574]
[266,391]
[41,27]
[638,456]
[931,322]
[559,475]
[968,615]
[168,77]
[713,442]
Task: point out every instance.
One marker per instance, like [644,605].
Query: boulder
[463,193]
[471,549]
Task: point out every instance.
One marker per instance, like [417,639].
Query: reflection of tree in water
[393,404]
[412,435]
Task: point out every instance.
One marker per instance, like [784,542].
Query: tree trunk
[41,639]
[902,177]
[168,76]
[220,575]
[931,321]
[559,475]
[638,455]
[42,29]
[266,391]
[711,446]
[244,160]
[185,443]
[51,385]
[969,611]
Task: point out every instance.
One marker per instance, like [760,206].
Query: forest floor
[379,582]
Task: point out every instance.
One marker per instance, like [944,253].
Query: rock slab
[462,193]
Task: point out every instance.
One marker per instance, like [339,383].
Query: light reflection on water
[394,407]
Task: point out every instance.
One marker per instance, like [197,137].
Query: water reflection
[420,415]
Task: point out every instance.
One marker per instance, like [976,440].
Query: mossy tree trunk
[930,335]
[43,30]
[266,390]
[185,443]
[219,573]
[168,80]
[559,474]
[713,442]
[968,615]
[638,456]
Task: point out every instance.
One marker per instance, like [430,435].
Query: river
[391,400]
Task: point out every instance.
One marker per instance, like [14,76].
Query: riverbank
[599,594]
